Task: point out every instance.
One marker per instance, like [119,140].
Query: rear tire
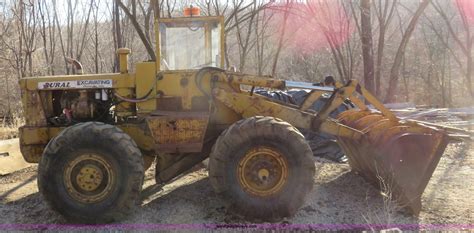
[91,173]
[263,167]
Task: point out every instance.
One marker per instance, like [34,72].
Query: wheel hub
[89,178]
[263,174]
[263,171]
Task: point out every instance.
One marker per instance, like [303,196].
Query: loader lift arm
[249,105]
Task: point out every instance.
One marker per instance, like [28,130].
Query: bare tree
[384,12]
[287,8]
[334,20]
[367,45]
[465,44]
[398,53]
[26,27]
[243,31]
[394,72]
[133,17]
[261,36]
[48,34]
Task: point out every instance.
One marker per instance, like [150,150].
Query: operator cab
[191,42]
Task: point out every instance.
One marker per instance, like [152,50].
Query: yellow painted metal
[359,103]
[341,94]
[42,135]
[309,101]
[333,127]
[33,111]
[262,171]
[175,133]
[180,84]
[37,135]
[257,105]
[141,135]
[34,139]
[367,121]
[252,80]
[189,131]
[182,87]
[125,109]
[223,41]
[123,59]
[224,117]
[32,153]
[208,44]
[352,115]
[146,86]
[184,21]
[349,92]
[377,104]
[156,27]
[89,178]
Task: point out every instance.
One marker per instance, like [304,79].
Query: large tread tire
[115,147]
[231,147]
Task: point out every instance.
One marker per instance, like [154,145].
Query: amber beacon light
[192,11]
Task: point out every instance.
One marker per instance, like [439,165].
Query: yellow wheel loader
[94,135]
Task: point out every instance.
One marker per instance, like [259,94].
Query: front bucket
[399,158]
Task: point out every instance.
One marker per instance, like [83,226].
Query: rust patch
[175,132]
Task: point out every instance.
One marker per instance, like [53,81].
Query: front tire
[91,173]
[263,167]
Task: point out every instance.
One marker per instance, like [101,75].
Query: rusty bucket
[397,157]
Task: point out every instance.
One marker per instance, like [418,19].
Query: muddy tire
[263,168]
[91,173]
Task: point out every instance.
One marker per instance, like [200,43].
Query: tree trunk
[469,73]
[367,47]
[384,17]
[138,29]
[117,33]
[393,81]
[281,38]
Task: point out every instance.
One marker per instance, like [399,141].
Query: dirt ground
[339,197]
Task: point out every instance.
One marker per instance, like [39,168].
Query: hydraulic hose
[144,98]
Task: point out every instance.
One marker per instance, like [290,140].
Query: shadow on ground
[346,199]
[30,209]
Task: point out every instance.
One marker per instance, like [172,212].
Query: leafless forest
[418,51]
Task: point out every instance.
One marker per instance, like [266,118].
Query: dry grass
[9,128]
[384,215]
